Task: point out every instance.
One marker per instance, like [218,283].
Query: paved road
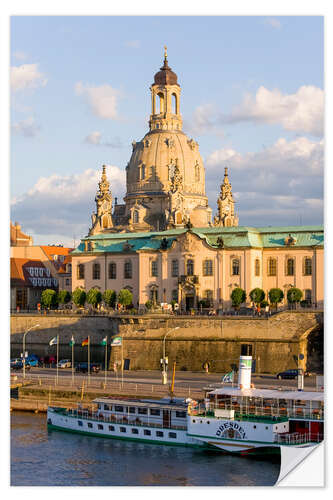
[195,380]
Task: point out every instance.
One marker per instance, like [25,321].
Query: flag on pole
[53,341]
[103,341]
[85,342]
[116,341]
[72,341]
[228,377]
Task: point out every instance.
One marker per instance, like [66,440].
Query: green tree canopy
[94,297]
[79,297]
[125,297]
[294,295]
[49,298]
[110,297]
[275,295]
[238,296]
[64,297]
[257,295]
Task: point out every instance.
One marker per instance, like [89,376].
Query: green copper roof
[232,237]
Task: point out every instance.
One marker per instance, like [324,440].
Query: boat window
[100,427]
[79,422]
[135,431]
[90,425]
[155,412]
[159,434]
[266,428]
[111,427]
[118,408]
[122,429]
[147,432]
[181,414]
[254,427]
[108,407]
[142,411]
[131,409]
[172,435]
[208,422]
[99,406]
[193,421]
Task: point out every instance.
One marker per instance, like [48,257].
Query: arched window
[135,216]
[80,272]
[154,268]
[271,266]
[112,271]
[190,267]
[207,267]
[290,267]
[174,103]
[174,295]
[307,266]
[174,268]
[69,268]
[96,272]
[161,102]
[308,296]
[257,267]
[235,267]
[128,269]
[143,172]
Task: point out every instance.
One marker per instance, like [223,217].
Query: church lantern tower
[102,219]
[226,215]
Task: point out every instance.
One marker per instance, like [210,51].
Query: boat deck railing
[113,419]
[297,438]
[269,412]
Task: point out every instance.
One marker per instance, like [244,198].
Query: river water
[53,458]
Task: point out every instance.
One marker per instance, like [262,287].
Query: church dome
[165,76]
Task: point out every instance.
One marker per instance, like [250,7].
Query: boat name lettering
[231,425]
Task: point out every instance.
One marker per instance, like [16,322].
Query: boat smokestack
[244,373]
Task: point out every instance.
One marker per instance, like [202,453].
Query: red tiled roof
[29,272]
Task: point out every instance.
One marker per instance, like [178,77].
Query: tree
[294,295]
[149,304]
[64,297]
[125,297]
[49,298]
[94,297]
[257,295]
[238,296]
[79,297]
[275,296]
[110,297]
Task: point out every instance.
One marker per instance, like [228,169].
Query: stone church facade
[163,244]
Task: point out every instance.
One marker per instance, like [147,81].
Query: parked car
[32,360]
[18,365]
[291,374]
[64,363]
[83,368]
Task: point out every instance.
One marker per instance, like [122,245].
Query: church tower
[226,215]
[102,219]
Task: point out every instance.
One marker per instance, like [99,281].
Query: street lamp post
[34,326]
[164,361]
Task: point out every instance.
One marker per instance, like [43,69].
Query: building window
[143,172]
[128,269]
[174,295]
[235,267]
[135,431]
[290,268]
[208,297]
[208,267]
[272,265]
[154,268]
[112,271]
[246,349]
[307,266]
[174,268]
[67,281]
[69,268]
[257,267]
[308,296]
[155,412]
[96,274]
[190,267]
[80,272]
[154,295]
[146,432]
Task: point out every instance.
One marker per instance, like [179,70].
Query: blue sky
[252,96]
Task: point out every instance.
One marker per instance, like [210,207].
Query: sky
[252,96]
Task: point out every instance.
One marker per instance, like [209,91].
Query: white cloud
[26,76]
[133,44]
[27,127]
[300,112]
[61,204]
[103,100]
[273,21]
[95,138]
[273,186]
[20,55]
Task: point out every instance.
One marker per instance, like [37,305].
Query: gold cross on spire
[165,52]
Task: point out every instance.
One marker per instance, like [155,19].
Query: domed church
[165,177]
